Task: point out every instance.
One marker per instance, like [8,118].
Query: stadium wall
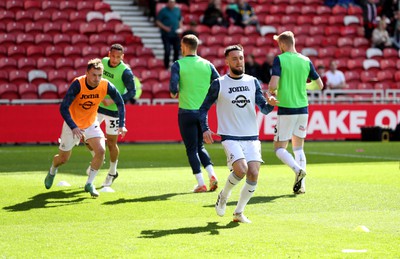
[25,124]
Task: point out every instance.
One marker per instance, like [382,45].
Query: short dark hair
[232,48]
[191,41]
[117,46]
[95,63]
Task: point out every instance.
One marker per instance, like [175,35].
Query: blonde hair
[286,37]
[95,63]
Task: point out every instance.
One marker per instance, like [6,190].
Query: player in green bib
[290,72]
[118,73]
[194,75]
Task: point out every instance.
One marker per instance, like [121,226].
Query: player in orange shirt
[79,110]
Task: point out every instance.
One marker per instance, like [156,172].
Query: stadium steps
[133,16]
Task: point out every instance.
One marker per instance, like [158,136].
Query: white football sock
[113,168]
[92,175]
[200,179]
[230,183]
[300,157]
[245,195]
[288,159]
[53,170]
[210,171]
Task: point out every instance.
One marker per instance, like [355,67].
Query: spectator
[169,19]
[252,67]
[389,9]
[213,15]
[396,36]
[335,78]
[321,72]
[266,68]
[247,15]
[380,36]
[369,15]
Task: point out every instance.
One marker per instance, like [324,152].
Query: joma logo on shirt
[238,89]
[89,96]
[108,74]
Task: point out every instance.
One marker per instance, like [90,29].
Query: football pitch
[351,208]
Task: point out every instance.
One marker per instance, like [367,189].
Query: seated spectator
[232,12]
[252,67]
[247,15]
[396,36]
[213,15]
[322,74]
[335,78]
[370,12]
[380,36]
[266,68]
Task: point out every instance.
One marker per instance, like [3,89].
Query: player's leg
[189,133]
[238,166]
[176,45]
[298,147]
[252,151]
[167,49]
[205,160]
[95,138]
[67,142]
[112,145]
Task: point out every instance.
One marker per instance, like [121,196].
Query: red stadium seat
[77,17]
[57,77]
[18,77]
[62,40]
[320,20]
[165,76]
[42,17]
[85,6]
[388,64]
[47,91]
[361,42]
[7,39]
[357,53]
[326,52]
[138,63]
[22,16]
[154,63]
[97,39]
[335,20]
[144,52]
[72,52]
[16,52]
[8,64]
[149,74]
[354,10]
[115,38]
[62,89]
[45,63]
[385,76]
[28,91]
[79,40]
[50,6]
[307,11]
[90,52]
[352,76]
[368,76]
[72,74]
[6,16]
[277,10]
[348,31]
[33,28]
[287,20]
[70,28]
[123,29]
[61,17]
[80,63]
[344,42]
[161,91]
[54,52]
[102,7]
[37,76]
[305,20]
[105,28]
[251,31]
[397,76]
[15,27]
[14,5]
[218,30]
[323,10]
[65,63]
[339,10]
[27,64]
[88,28]
[147,91]
[68,6]
[390,53]
[35,51]
[9,91]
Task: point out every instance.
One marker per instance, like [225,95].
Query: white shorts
[239,149]
[112,123]
[68,140]
[289,125]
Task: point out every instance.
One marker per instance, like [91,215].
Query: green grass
[153,214]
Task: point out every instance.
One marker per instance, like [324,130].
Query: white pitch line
[353,155]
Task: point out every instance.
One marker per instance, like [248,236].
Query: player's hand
[122,131]
[173,95]
[208,136]
[272,100]
[107,102]
[77,133]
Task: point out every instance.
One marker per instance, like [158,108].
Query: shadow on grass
[162,197]
[48,200]
[212,228]
[258,200]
